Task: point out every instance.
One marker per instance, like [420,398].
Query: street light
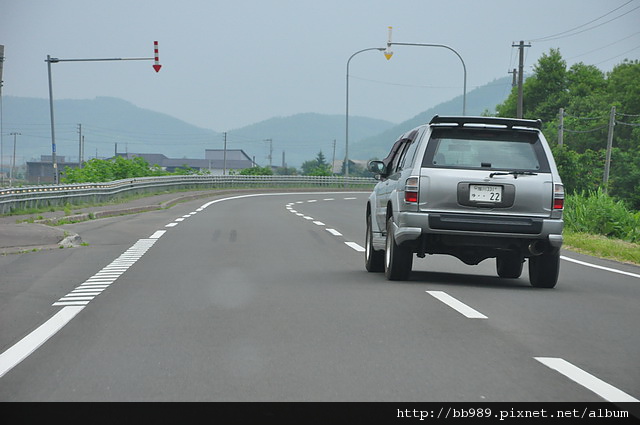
[388,54]
[464,68]
[346,154]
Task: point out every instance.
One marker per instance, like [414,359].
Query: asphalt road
[265,298]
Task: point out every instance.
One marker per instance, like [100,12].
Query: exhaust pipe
[537,247]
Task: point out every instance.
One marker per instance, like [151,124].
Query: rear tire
[374,260]
[397,259]
[509,265]
[544,270]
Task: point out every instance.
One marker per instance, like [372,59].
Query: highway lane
[262,299]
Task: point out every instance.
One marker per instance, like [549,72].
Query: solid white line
[334,232]
[355,246]
[457,305]
[599,267]
[598,386]
[35,339]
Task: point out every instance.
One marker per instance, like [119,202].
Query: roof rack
[460,121]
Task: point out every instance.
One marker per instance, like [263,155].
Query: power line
[562,34]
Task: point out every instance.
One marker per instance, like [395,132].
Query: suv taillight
[558,196]
[411,190]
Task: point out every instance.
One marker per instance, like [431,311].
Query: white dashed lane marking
[334,232]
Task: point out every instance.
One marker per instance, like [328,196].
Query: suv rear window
[486,149]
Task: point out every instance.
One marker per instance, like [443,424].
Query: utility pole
[224,156]
[521,47]
[333,161]
[561,127]
[515,76]
[1,119]
[270,149]
[13,164]
[79,145]
[612,123]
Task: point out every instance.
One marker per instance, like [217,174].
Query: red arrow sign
[157,65]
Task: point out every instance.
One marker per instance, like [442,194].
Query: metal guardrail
[22,198]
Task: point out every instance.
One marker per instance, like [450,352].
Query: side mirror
[376,167]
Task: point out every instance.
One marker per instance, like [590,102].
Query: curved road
[265,298]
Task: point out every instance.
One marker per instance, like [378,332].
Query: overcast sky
[227,64]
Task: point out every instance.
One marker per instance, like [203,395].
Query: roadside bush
[597,213]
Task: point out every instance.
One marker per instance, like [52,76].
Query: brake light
[411,190]
[558,196]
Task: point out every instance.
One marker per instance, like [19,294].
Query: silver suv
[471,187]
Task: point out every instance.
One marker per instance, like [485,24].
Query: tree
[256,171]
[317,166]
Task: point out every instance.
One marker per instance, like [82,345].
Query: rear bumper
[412,225]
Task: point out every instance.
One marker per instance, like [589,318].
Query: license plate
[485,193]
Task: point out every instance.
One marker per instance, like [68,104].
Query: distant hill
[302,136]
[107,122]
[479,100]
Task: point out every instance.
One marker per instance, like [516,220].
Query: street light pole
[346,137]
[464,67]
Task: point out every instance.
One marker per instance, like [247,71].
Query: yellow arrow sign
[388,54]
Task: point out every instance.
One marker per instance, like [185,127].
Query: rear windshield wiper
[514,173]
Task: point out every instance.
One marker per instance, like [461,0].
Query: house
[217,162]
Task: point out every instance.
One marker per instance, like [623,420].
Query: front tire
[374,260]
[544,270]
[398,259]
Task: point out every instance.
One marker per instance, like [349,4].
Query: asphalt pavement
[38,231]
[21,233]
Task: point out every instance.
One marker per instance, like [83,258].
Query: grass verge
[602,247]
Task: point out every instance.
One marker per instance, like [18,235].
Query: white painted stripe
[35,339]
[319,223]
[457,305]
[355,246]
[299,214]
[312,200]
[193,212]
[180,219]
[598,386]
[157,234]
[73,298]
[600,267]
[76,295]
[329,199]
[347,199]
[294,211]
[186,216]
[306,217]
[171,225]
[94,285]
[334,232]
[70,303]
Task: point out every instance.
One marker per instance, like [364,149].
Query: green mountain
[480,100]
